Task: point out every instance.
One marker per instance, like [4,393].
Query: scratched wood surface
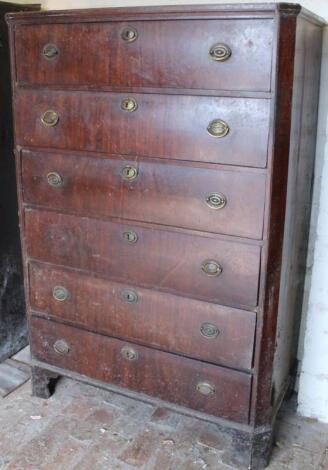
[81,116]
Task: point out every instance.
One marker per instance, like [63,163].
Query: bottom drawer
[198,385]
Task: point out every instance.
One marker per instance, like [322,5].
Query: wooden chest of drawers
[165,159]
[13,329]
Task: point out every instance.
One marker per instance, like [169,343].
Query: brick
[41,449]
[166,418]
[65,457]
[165,459]
[97,421]
[102,451]
[132,419]
[140,450]
[211,436]
[47,443]
[85,428]
[311,436]
[296,458]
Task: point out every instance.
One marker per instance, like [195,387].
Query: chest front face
[143,155]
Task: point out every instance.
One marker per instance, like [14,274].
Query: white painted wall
[313,349]
[313,384]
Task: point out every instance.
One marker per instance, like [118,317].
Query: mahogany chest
[164,164]
[13,330]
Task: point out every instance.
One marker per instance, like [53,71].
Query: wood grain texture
[75,231]
[162,193]
[299,201]
[293,151]
[165,126]
[99,56]
[160,259]
[159,320]
[155,373]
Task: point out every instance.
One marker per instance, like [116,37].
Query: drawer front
[164,126]
[175,262]
[197,329]
[230,202]
[173,54]
[204,387]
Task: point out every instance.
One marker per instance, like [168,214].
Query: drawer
[176,54]
[213,200]
[197,329]
[204,387]
[165,126]
[202,267]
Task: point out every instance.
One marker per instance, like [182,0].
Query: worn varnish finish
[165,126]
[97,187]
[159,259]
[129,158]
[99,56]
[153,318]
[174,377]
[13,330]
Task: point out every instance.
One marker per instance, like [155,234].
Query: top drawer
[192,54]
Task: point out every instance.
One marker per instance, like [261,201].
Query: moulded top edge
[156,12]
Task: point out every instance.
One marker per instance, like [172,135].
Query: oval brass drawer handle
[50,51]
[216,200]
[129,104]
[130,172]
[130,296]
[129,34]
[49,118]
[206,389]
[60,293]
[54,179]
[129,353]
[211,267]
[220,52]
[218,128]
[130,236]
[208,330]
[61,347]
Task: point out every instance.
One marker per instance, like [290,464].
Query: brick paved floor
[84,428]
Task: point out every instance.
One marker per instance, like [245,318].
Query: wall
[313,385]
[313,349]
[318,6]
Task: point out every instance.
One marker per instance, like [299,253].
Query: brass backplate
[130,236]
[218,128]
[220,52]
[129,353]
[50,51]
[206,389]
[216,200]
[61,347]
[54,179]
[60,293]
[208,330]
[49,118]
[130,172]
[130,296]
[129,34]
[129,104]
